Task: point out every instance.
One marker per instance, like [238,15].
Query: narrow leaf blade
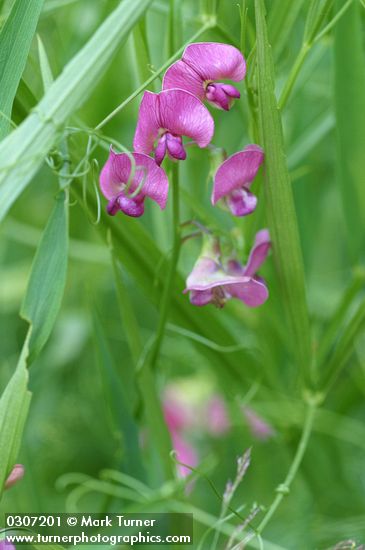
[48,278]
[15,40]
[350,118]
[280,205]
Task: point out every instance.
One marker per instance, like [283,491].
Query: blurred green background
[73,425]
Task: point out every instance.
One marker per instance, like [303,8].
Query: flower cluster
[164,119]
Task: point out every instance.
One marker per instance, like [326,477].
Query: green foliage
[15,40]
[47,281]
[109,346]
[350,123]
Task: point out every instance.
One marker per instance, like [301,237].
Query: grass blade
[15,40]
[350,116]
[280,206]
[46,72]
[22,153]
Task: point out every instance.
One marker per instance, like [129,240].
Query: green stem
[170,280]
[284,488]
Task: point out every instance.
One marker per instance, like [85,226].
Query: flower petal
[258,253]
[201,297]
[130,207]
[116,172]
[214,61]
[180,75]
[183,114]
[237,171]
[207,274]
[148,123]
[253,293]
[231,91]
[241,202]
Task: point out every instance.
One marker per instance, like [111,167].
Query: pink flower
[165,117]
[201,65]
[217,420]
[148,180]
[185,453]
[233,179]
[15,475]
[259,428]
[179,417]
[211,282]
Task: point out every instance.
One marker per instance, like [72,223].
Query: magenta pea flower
[15,475]
[212,282]
[126,186]
[165,117]
[233,179]
[201,66]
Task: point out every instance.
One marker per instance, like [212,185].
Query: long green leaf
[14,404]
[15,40]
[116,399]
[23,151]
[279,199]
[48,277]
[350,115]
